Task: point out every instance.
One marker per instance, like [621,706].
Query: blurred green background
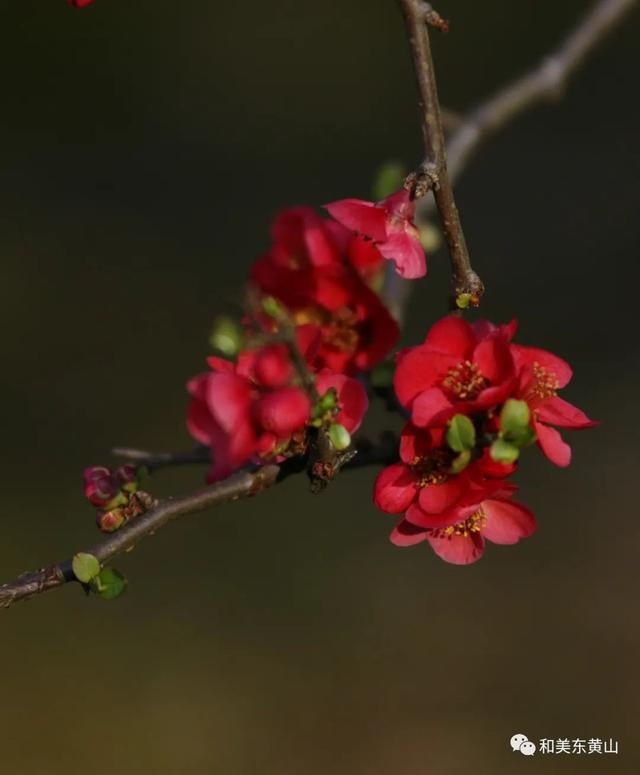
[145,147]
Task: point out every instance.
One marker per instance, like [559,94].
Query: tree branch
[465,282]
[241,485]
[156,460]
[545,82]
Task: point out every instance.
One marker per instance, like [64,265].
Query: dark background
[145,146]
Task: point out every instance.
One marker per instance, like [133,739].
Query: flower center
[341,332]
[464,381]
[543,385]
[472,524]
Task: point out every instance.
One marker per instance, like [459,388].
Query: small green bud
[85,567]
[515,416]
[464,300]
[460,462]
[389,178]
[329,400]
[461,435]
[521,438]
[340,436]
[110,583]
[226,336]
[504,452]
[272,307]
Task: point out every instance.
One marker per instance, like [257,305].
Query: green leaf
[389,178]
[504,452]
[515,416]
[110,583]
[226,336]
[85,567]
[461,435]
[460,462]
[340,436]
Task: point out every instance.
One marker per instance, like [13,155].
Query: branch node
[433,18]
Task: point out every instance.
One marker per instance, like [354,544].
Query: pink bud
[102,491]
[273,366]
[127,475]
[283,411]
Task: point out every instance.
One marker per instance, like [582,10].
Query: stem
[467,287]
[239,486]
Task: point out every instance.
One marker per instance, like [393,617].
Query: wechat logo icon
[522,743]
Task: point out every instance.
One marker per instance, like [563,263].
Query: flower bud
[226,336]
[273,366]
[101,488]
[283,411]
[340,436]
[128,476]
[110,521]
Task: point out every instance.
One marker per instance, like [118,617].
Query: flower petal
[493,358]
[557,411]
[552,444]
[436,498]
[528,356]
[419,369]
[452,335]
[507,521]
[395,489]
[431,407]
[352,398]
[406,534]
[360,216]
[457,549]
[407,253]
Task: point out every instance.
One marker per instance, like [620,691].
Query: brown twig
[545,82]
[155,460]
[241,485]
[466,285]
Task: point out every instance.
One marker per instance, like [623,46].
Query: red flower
[315,270]
[390,225]
[242,417]
[460,369]
[497,519]
[424,487]
[79,3]
[541,375]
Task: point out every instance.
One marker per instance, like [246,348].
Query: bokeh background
[145,147]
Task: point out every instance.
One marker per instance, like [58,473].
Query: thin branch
[466,284]
[545,82]
[241,485]
[156,460]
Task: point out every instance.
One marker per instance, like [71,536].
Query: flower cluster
[116,495]
[325,277]
[315,324]
[256,409]
[320,281]
[475,399]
